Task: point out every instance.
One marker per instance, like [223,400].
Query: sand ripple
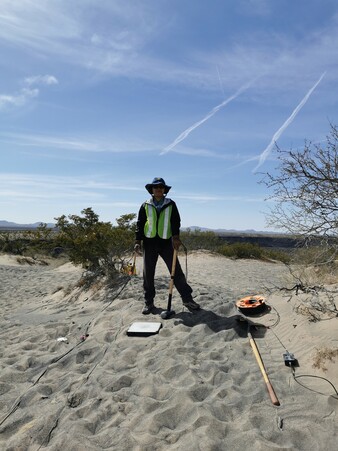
[194,386]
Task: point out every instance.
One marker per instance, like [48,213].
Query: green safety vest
[158,224]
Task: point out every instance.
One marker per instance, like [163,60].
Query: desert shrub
[12,244]
[278,255]
[93,244]
[304,188]
[30,243]
[198,239]
[315,255]
[40,241]
[241,250]
[316,264]
[123,238]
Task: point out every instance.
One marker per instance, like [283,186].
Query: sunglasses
[158,186]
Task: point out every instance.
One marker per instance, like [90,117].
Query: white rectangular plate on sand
[144,329]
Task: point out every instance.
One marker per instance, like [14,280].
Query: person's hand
[137,248]
[176,242]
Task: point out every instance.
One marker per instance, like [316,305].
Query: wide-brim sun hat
[157,181]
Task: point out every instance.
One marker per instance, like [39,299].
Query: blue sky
[97,98]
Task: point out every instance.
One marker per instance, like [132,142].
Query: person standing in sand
[158,228]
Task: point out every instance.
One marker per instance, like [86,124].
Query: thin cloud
[266,152]
[18,99]
[41,80]
[37,25]
[187,132]
[209,198]
[51,183]
[220,80]
[75,143]
[28,92]
[124,47]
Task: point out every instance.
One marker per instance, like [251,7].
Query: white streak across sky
[187,132]
[266,152]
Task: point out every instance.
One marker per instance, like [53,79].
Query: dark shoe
[148,308]
[191,305]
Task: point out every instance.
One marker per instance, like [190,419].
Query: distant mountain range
[206,229]
[231,231]
[14,225]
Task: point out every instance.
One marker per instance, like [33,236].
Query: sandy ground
[72,379]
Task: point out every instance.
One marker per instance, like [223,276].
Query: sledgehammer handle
[271,391]
[172,275]
[173,268]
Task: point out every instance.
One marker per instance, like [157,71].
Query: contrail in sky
[187,132]
[263,156]
[220,80]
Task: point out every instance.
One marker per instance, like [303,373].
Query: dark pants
[152,249]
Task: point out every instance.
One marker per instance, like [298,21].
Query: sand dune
[72,379]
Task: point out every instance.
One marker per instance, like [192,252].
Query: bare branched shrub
[305,189]
[315,264]
[318,304]
[305,194]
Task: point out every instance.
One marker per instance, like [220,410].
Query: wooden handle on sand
[271,391]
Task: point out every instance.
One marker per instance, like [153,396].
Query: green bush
[32,243]
[16,246]
[281,256]
[40,241]
[241,250]
[94,244]
[197,239]
[252,250]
